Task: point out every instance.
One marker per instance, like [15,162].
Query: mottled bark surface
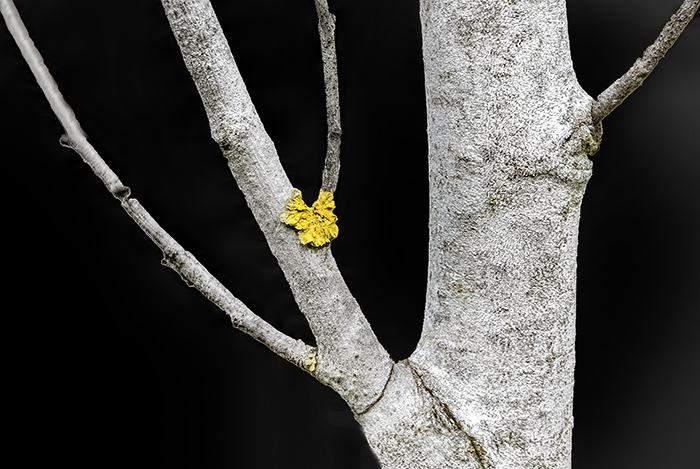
[350,359]
[509,132]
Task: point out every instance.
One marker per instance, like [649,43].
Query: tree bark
[350,358]
[509,134]
[490,383]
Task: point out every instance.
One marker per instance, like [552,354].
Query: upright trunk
[509,130]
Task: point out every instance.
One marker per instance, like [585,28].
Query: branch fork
[348,357]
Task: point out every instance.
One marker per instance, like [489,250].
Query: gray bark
[350,358]
[510,132]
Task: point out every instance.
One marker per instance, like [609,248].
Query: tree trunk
[509,133]
[510,130]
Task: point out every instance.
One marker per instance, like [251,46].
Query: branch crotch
[410,428]
[444,416]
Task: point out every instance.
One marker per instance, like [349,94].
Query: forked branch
[174,255]
[350,358]
[612,97]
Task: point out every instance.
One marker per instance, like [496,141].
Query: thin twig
[351,360]
[612,97]
[174,255]
[326,30]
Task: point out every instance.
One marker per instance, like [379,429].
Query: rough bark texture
[326,31]
[509,130]
[490,384]
[350,358]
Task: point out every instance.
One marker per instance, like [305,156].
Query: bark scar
[381,394]
[477,451]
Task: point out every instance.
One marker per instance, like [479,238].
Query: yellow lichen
[315,224]
[310,361]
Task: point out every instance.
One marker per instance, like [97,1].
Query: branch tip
[326,31]
[624,86]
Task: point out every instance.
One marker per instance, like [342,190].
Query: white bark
[510,131]
[350,358]
[174,255]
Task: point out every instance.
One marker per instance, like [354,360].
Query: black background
[111,361]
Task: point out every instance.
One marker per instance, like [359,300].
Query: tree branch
[175,256]
[612,97]
[350,358]
[326,30]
